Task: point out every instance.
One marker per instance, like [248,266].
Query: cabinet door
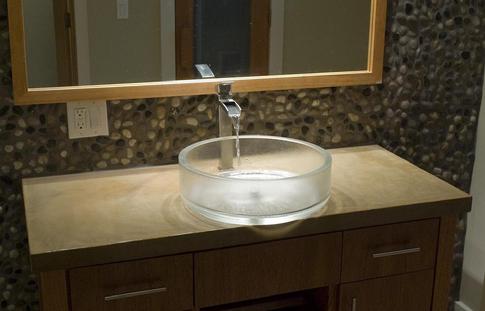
[405,292]
[160,284]
[267,269]
[389,250]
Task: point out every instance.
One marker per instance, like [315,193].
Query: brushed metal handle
[354,304]
[135,294]
[398,252]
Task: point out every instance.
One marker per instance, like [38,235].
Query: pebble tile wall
[425,111]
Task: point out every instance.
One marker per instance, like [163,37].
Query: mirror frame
[23,95]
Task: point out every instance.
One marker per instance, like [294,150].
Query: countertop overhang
[110,216]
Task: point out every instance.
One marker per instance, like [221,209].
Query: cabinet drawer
[405,292]
[390,249]
[155,284]
[266,269]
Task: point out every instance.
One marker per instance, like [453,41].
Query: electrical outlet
[87,119]
[81,118]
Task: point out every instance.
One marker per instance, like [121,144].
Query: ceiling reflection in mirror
[92,42]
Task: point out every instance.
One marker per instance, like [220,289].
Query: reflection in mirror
[90,42]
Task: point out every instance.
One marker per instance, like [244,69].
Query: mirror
[156,48]
[122,41]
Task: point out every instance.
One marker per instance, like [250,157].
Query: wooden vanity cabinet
[123,240]
[405,292]
[396,267]
[389,267]
[155,284]
[389,250]
[267,269]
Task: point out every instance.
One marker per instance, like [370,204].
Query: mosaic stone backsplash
[425,111]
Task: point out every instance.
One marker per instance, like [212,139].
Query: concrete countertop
[111,216]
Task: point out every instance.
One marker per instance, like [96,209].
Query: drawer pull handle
[354,304]
[399,252]
[135,294]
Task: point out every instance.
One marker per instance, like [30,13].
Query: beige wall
[472,288]
[126,50]
[329,35]
[483,297]
[40,43]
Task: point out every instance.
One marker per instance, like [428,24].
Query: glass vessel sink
[275,180]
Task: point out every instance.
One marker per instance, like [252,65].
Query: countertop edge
[238,236]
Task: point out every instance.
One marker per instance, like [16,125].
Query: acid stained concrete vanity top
[110,216]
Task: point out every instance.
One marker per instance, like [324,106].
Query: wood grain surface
[407,292]
[444,263]
[360,246]
[266,269]
[90,285]
[54,294]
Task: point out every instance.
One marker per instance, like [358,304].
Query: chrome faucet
[229,111]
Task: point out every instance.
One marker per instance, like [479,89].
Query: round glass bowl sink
[276,179]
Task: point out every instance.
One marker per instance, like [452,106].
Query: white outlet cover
[96,119]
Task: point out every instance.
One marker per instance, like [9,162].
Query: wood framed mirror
[259,68]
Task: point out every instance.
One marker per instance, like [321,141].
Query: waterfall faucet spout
[229,115]
[229,110]
[224,93]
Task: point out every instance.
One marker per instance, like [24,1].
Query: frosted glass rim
[244,219]
[325,166]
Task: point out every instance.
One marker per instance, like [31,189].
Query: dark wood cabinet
[396,267]
[146,285]
[412,291]
[390,249]
[310,300]
[267,269]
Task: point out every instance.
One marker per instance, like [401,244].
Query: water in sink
[256,174]
[260,199]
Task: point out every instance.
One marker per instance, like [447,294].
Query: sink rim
[182,157]
[254,220]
